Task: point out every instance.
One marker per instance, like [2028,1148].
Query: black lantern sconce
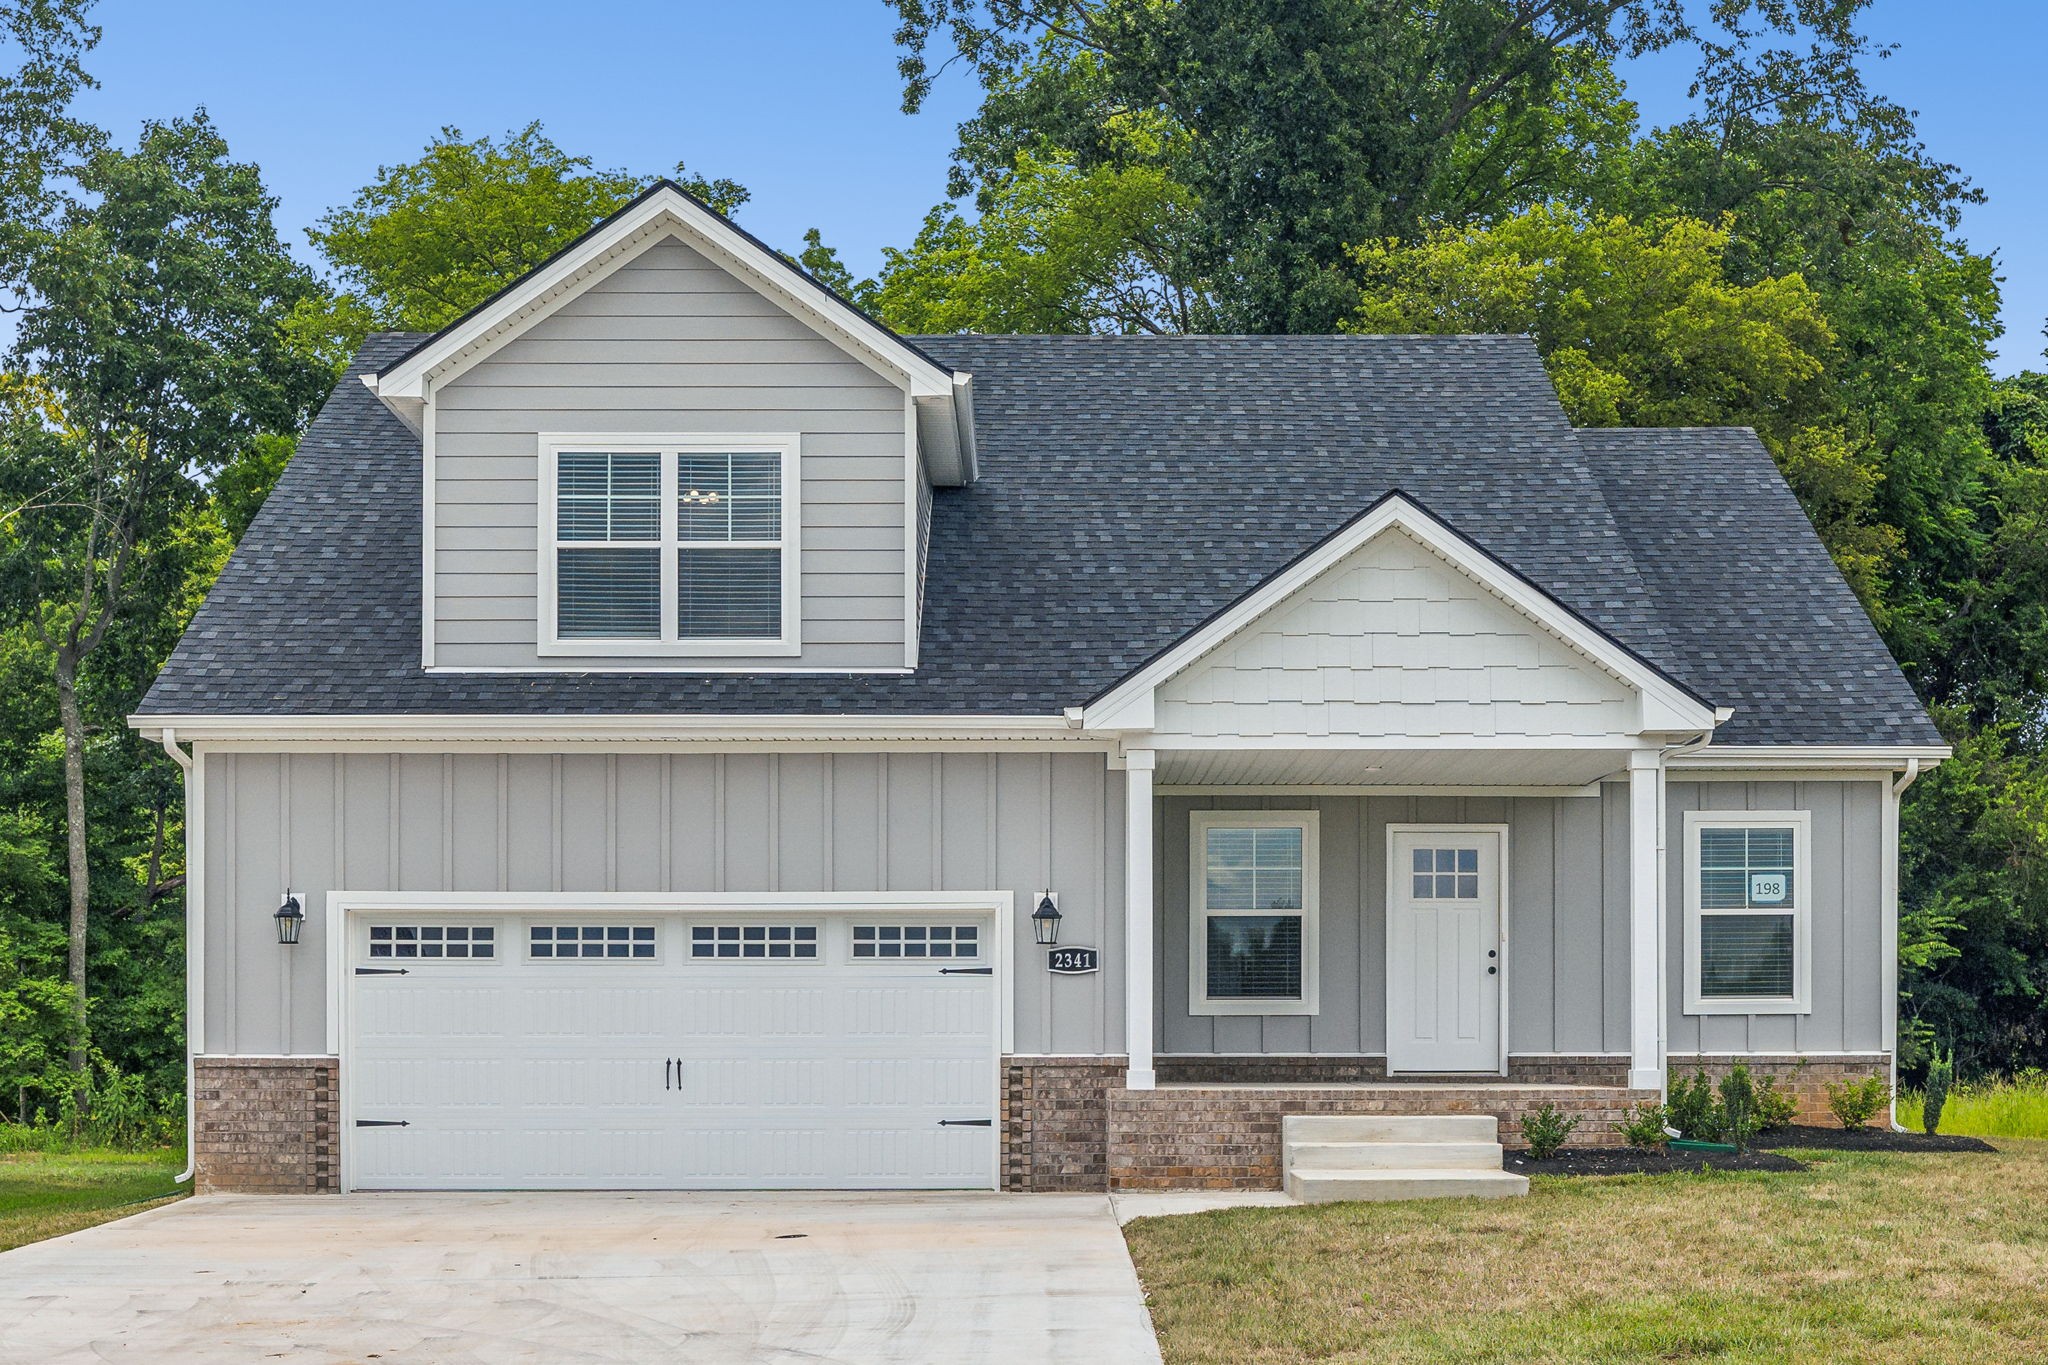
[1045,921]
[290,917]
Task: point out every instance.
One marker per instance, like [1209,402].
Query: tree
[155,330]
[428,240]
[1641,326]
[42,46]
[1305,127]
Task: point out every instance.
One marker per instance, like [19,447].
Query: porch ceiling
[1387,767]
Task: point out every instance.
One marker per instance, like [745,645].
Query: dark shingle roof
[1768,624]
[1131,487]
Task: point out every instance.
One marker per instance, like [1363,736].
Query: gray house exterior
[668,696]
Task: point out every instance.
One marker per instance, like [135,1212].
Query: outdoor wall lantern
[290,917]
[1045,921]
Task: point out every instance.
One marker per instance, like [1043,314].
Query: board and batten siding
[1394,641]
[597,822]
[669,344]
[1850,993]
[1567,923]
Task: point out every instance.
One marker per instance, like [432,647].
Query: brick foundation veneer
[1806,1078]
[265,1125]
[1228,1137]
[1056,1121]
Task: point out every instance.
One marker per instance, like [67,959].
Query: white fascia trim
[619,729]
[1666,707]
[667,207]
[1878,756]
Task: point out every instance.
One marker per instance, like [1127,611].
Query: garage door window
[916,940]
[754,940]
[591,940]
[432,940]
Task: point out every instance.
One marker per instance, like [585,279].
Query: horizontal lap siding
[669,344]
[965,822]
[1850,994]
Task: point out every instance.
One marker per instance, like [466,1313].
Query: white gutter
[195,954]
[619,729]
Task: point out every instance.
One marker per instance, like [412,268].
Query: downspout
[1670,751]
[195,957]
[1898,789]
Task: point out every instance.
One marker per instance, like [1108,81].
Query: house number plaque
[1073,961]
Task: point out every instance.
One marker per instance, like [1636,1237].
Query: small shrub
[1695,1112]
[1644,1127]
[1941,1074]
[1775,1108]
[1741,1115]
[1547,1129]
[1855,1102]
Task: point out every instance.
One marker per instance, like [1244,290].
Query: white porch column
[1138,765]
[1645,920]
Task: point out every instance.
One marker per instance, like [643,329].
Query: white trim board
[1665,706]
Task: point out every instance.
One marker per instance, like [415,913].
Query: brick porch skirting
[1806,1078]
[1310,1069]
[265,1125]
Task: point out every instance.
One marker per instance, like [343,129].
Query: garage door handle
[967,971]
[667,1065]
[383,1123]
[966,1123]
[380,971]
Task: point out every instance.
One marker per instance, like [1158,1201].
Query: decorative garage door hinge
[383,1123]
[966,1123]
[967,971]
[381,971]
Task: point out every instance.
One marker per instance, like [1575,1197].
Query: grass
[47,1194]
[1863,1257]
[1991,1109]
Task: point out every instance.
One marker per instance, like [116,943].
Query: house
[668,709]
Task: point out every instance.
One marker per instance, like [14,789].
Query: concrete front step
[1327,1187]
[1396,1156]
[1389,1128]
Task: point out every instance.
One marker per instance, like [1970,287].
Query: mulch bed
[1870,1140]
[1634,1161]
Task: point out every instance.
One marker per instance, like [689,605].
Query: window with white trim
[1748,917]
[1252,903]
[681,546]
[916,940]
[560,941]
[754,940]
[415,941]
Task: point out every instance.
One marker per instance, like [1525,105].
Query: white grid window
[916,940]
[763,941]
[414,941]
[683,546]
[1252,900]
[1444,874]
[590,940]
[1747,921]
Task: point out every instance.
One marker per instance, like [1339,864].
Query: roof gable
[1348,638]
[662,212]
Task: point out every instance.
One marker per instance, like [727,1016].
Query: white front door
[600,1049]
[1444,948]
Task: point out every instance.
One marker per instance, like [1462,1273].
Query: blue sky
[798,100]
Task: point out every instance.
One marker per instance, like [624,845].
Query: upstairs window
[1747,917]
[673,546]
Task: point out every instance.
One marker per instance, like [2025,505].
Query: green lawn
[46,1194]
[1990,1109]
[1864,1257]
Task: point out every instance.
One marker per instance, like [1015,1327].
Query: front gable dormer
[670,449]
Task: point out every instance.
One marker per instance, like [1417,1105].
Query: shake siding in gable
[669,344]
[1394,641]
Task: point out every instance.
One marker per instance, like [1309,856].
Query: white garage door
[665,1051]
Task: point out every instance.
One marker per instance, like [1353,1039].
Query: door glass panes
[1444,874]
[444,941]
[762,941]
[590,940]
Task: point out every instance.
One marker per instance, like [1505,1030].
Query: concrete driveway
[710,1278]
